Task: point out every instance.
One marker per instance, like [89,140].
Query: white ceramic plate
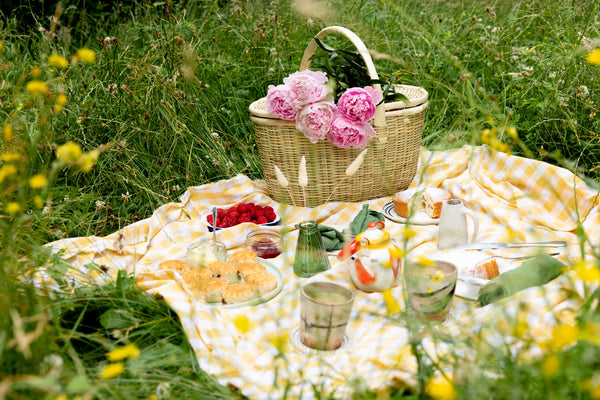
[420,217]
[271,269]
[210,227]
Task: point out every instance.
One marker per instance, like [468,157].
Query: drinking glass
[324,313]
[430,287]
[311,256]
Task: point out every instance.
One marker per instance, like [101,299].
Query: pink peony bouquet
[306,98]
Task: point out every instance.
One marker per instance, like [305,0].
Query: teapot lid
[374,234]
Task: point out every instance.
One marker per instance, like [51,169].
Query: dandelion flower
[7,170]
[61,100]
[58,61]
[38,181]
[550,365]
[302,174]
[437,277]
[120,353]
[68,152]
[87,161]
[281,179]
[86,55]
[112,370]
[588,273]
[440,387]
[36,88]
[593,57]
[10,157]
[425,262]
[242,323]
[13,208]
[512,133]
[38,201]
[7,131]
[563,335]
[36,72]
[351,170]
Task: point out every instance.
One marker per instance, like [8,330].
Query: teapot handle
[378,224]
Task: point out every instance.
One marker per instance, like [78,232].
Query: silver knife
[500,245]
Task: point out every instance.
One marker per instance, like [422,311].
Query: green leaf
[78,384]
[117,319]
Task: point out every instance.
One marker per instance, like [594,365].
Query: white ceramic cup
[453,229]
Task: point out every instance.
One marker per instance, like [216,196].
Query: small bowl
[202,252]
[210,227]
[266,243]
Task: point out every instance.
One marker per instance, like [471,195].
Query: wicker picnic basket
[390,162]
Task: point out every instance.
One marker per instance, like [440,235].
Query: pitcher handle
[473,216]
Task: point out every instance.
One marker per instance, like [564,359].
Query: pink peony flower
[358,104]
[346,133]
[314,120]
[282,102]
[308,85]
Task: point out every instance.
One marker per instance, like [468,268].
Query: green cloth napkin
[362,219]
[535,272]
[332,238]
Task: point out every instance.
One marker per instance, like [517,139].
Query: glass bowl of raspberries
[240,213]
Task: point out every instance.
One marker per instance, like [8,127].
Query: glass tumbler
[311,256]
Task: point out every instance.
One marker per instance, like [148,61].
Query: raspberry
[242,208]
[210,219]
[270,216]
[261,220]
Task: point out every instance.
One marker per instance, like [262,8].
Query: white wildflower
[302,173]
[281,179]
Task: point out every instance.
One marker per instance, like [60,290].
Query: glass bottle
[311,256]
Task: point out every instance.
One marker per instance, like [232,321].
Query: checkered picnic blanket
[254,348]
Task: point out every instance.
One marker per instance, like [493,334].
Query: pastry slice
[226,270]
[239,293]
[248,268]
[265,282]
[213,289]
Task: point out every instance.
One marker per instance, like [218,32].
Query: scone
[226,270]
[248,268]
[191,276]
[265,282]
[175,265]
[242,256]
[239,293]
[198,292]
[213,289]
[428,200]
[487,270]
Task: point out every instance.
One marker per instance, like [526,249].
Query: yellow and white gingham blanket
[516,199]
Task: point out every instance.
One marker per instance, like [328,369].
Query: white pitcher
[453,229]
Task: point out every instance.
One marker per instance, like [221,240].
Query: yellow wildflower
[7,131]
[437,277]
[61,100]
[563,335]
[11,157]
[58,61]
[112,370]
[591,333]
[424,261]
[520,328]
[36,72]
[87,161]
[498,145]
[86,55]
[13,208]
[242,323]
[390,302]
[68,152]
[38,201]
[550,365]
[593,57]
[36,88]
[587,272]
[20,107]
[592,385]
[120,353]
[7,170]
[512,133]
[487,135]
[279,341]
[440,387]
[38,181]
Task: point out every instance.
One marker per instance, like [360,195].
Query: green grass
[166,102]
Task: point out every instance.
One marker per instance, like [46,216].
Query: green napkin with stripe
[362,219]
[535,272]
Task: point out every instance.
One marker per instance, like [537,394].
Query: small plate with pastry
[243,279]
[475,269]
[417,206]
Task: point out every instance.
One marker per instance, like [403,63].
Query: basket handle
[364,53]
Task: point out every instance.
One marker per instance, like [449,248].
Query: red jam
[265,248]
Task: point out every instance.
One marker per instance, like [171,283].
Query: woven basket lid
[416,96]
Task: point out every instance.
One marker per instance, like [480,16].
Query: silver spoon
[214,215]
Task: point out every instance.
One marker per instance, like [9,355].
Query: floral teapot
[373,259]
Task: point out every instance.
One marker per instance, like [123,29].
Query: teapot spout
[349,250]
